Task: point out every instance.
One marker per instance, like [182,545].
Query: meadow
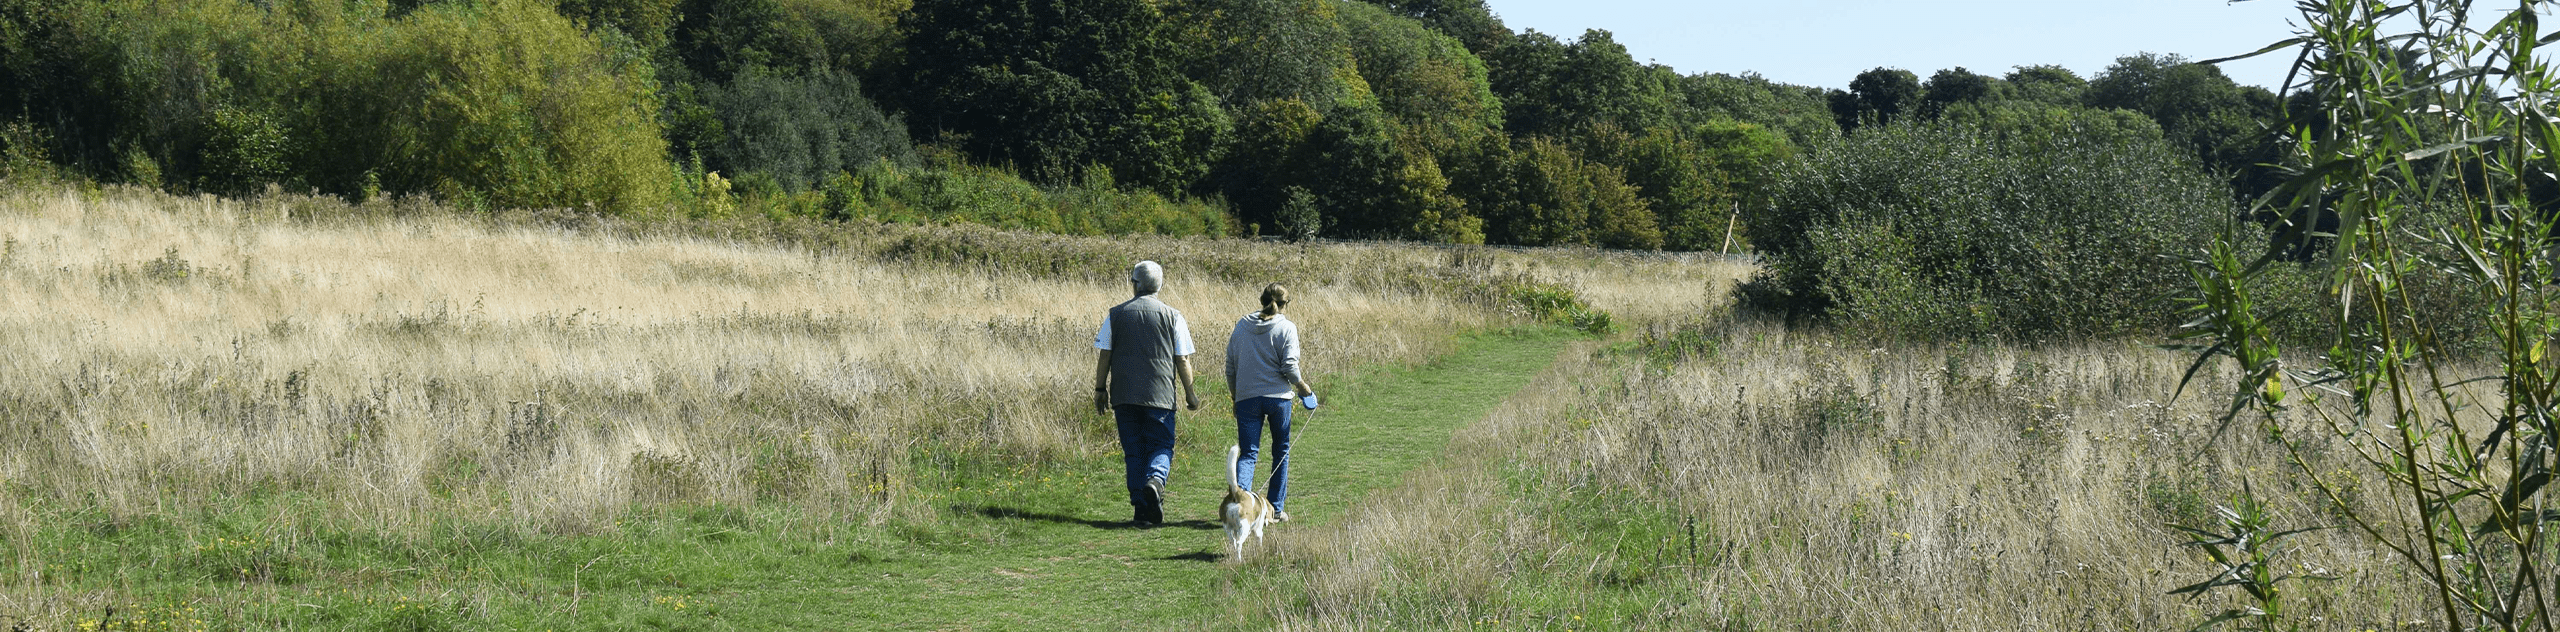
[392,368]
[1731,473]
[290,412]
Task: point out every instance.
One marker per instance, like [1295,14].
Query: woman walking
[1262,370]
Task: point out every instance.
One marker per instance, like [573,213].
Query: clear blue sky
[1826,43]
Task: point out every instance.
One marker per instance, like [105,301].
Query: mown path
[1047,550]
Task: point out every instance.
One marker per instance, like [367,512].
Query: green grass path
[1021,547]
[1044,550]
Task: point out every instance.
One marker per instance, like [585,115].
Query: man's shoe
[1282,516]
[1152,514]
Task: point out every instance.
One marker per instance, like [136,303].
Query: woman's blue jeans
[1252,415]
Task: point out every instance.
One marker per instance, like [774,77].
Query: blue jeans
[1251,414]
[1146,448]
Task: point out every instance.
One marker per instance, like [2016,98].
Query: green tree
[801,129]
[721,39]
[243,151]
[1555,197]
[1671,174]
[506,98]
[2054,85]
[1248,51]
[1955,85]
[2227,125]
[1301,217]
[1880,95]
[1274,150]
[1052,85]
[1378,187]
[1471,22]
[1551,88]
[2421,152]
[1691,179]
[504,101]
[1801,113]
[647,22]
[1429,83]
[2035,119]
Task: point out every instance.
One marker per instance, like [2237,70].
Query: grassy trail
[1025,547]
[1048,552]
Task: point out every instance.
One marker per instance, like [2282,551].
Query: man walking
[1144,351]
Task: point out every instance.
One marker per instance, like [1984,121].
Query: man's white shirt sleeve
[1181,335]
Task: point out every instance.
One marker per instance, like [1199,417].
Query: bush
[23,152]
[243,152]
[502,101]
[1924,230]
[506,98]
[953,191]
[1299,218]
[1689,178]
[802,129]
[1556,197]
[1051,86]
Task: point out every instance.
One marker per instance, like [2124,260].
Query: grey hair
[1146,277]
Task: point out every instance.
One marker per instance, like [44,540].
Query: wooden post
[1727,249]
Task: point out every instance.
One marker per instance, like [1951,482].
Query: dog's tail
[1235,458]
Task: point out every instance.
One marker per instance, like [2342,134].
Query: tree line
[1401,119]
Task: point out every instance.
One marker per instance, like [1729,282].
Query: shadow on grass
[1194,556]
[1009,513]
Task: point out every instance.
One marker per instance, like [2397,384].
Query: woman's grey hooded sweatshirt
[1262,357]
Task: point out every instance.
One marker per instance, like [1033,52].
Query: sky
[1828,42]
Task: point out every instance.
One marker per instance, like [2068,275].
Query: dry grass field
[392,368]
[1727,473]
[400,366]
[402,360]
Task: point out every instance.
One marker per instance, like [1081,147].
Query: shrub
[243,151]
[1426,80]
[507,98]
[1558,198]
[503,101]
[1299,219]
[950,190]
[1689,178]
[23,151]
[801,129]
[1050,86]
[1925,230]
[1553,303]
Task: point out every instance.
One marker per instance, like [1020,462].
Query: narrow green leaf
[2192,368]
[2226,616]
[2287,43]
[2433,151]
[2430,83]
[2199,587]
[2516,495]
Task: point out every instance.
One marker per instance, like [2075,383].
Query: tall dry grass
[405,363]
[1738,474]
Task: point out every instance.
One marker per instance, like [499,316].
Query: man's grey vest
[1142,347]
